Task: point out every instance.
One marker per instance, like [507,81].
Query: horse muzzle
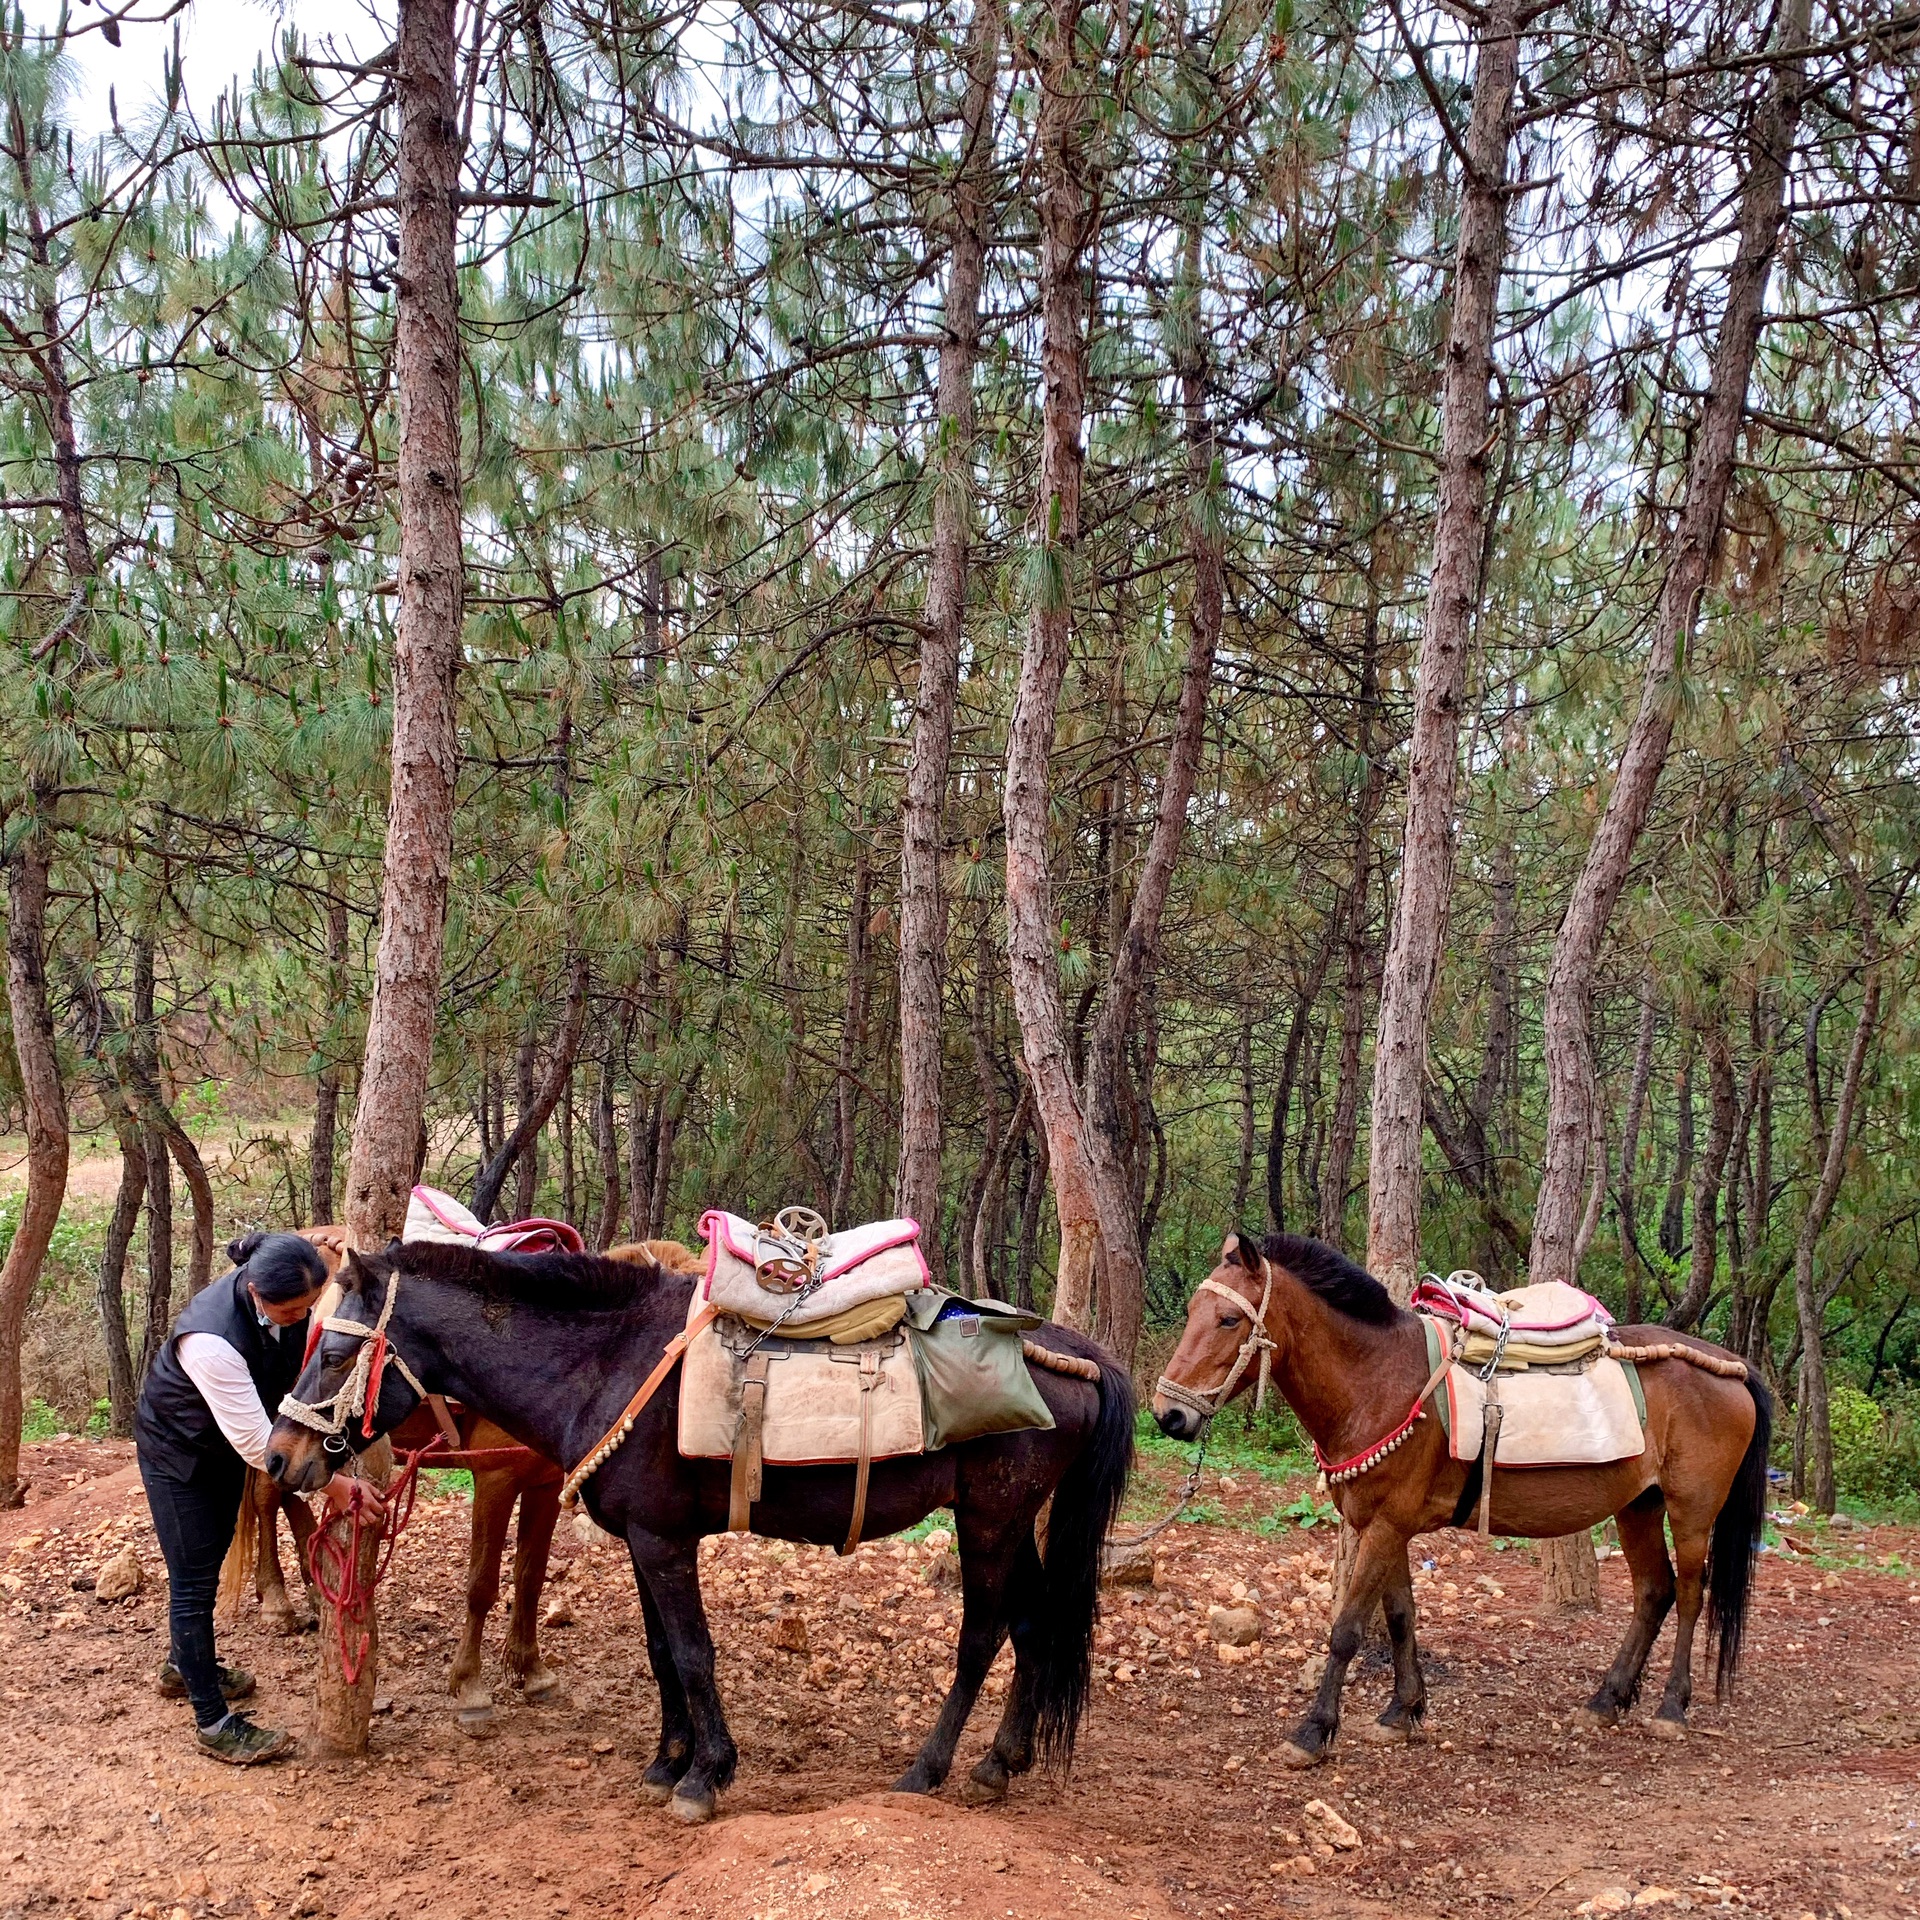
[1179,1423]
[296,1460]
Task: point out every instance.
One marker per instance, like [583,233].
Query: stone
[1233,1626]
[1331,1826]
[943,1570]
[121,1577]
[559,1613]
[1607,1900]
[1127,1566]
[790,1632]
[1655,1897]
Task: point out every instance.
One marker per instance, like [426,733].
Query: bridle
[1205,1404]
[358,1395]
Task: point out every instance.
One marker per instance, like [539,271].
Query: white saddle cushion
[861,1264]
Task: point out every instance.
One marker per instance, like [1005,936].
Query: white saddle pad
[861,1264]
[1583,1419]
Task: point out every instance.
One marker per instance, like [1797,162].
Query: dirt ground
[1798,1799]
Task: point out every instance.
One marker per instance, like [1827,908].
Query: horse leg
[304,1526]
[1012,1749]
[671,1568]
[261,1511]
[1380,1550]
[1690,1555]
[1396,1726]
[675,1750]
[1643,1541]
[986,1561]
[492,1507]
[539,1510]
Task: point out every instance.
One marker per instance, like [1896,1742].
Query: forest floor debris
[1797,1798]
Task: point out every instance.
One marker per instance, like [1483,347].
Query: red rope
[334,1557]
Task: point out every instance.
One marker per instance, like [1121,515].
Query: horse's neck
[1347,1380]
[545,1380]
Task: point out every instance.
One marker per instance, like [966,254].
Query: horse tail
[1736,1542]
[1085,1504]
[238,1569]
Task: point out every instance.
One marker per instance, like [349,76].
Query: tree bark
[1353,993]
[537,1108]
[159,1312]
[1576,950]
[1033,932]
[127,1201]
[46,1103]
[344,1713]
[1570,1573]
[923,908]
[1626,1205]
[852,1048]
[1723,1114]
[606,1141]
[1673,1211]
[326,1092]
[1137,950]
[426,740]
[525,1166]
[1420,912]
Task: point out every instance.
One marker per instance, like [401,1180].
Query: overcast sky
[218,39]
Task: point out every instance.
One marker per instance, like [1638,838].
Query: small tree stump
[1571,1573]
[343,1713]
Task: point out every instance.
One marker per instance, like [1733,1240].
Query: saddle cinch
[824,1349]
[1531,1384]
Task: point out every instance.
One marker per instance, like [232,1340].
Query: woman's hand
[343,1493]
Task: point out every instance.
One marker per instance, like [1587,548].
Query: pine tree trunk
[1568,1036]
[1723,1113]
[852,1048]
[426,740]
[606,1141]
[536,1103]
[159,1314]
[1570,1573]
[46,1102]
[1422,906]
[923,909]
[326,1093]
[525,1165]
[127,1201]
[1033,932]
[1626,1205]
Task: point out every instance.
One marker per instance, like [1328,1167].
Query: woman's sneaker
[239,1743]
[235,1682]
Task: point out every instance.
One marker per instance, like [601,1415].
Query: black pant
[194,1520]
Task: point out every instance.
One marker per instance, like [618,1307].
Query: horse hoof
[977,1792]
[543,1689]
[1664,1729]
[693,1810]
[1382,1733]
[1597,1719]
[1298,1758]
[476,1722]
[655,1793]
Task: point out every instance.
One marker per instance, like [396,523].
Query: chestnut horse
[531,1480]
[553,1346]
[1352,1365]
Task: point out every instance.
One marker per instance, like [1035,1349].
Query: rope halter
[358,1395]
[1206,1403]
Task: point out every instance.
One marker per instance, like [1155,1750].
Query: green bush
[1876,1447]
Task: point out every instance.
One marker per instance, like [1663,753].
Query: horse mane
[576,1281]
[1327,1273]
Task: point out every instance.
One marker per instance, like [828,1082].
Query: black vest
[173,1426]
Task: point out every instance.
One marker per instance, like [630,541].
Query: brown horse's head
[1226,1345]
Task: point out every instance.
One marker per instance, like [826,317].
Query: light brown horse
[1352,1365]
[527,1478]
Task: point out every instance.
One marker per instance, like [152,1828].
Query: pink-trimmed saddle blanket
[433,1215]
[751,1271]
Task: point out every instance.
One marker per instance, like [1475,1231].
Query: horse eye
[1229,1319]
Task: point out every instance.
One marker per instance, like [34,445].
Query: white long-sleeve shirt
[216,1368]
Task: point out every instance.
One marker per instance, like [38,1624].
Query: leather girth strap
[443,1418]
[1489,1441]
[609,1442]
[869,1380]
[748,1440]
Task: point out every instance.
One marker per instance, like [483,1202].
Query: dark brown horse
[530,1481]
[552,1346]
[1352,1364]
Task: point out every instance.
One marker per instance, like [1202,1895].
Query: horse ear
[1236,1252]
[354,1273]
